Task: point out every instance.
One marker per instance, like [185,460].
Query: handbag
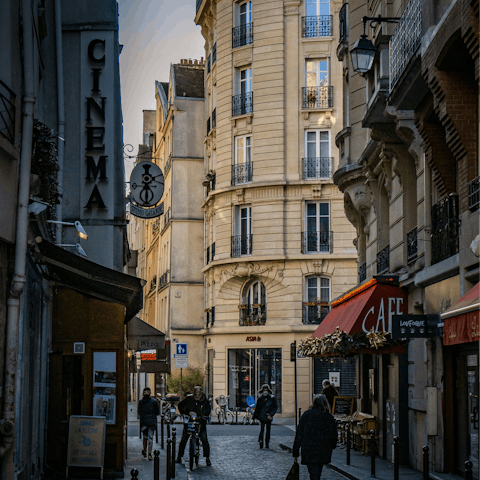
[294,473]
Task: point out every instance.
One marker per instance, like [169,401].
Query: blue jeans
[315,470]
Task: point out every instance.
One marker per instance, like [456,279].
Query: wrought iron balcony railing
[343,23]
[163,280]
[383,260]
[254,314]
[317,167]
[317,242]
[153,283]
[314,313]
[242,173]
[412,249]
[214,118]
[7,113]
[473,194]
[242,104]
[317,97]
[405,40]
[317,26]
[214,53]
[445,228]
[241,245]
[242,35]
[362,273]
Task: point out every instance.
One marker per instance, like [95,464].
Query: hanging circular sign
[146,184]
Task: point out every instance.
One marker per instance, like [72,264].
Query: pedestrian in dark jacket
[330,392]
[199,404]
[148,410]
[316,436]
[265,409]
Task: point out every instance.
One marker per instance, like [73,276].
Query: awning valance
[143,336]
[460,321]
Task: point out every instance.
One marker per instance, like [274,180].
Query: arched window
[253,310]
[317,299]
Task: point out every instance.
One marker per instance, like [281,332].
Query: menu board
[105,385]
[343,405]
[86,442]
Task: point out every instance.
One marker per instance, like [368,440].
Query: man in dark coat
[148,410]
[330,392]
[265,409]
[316,436]
[199,404]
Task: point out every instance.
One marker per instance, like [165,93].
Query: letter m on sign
[99,169]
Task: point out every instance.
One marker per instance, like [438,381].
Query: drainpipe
[7,422]
[61,114]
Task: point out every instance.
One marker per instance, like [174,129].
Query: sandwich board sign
[86,442]
[181,356]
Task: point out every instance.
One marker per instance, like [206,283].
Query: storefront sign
[380,314]
[253,339]
[414,326]
[461,329]
[146,190]
[146,212]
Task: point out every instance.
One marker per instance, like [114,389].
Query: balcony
[314,312]
[473,195]
[255,314]
[317,242]
[317,167]
[163,280]
[412,249]
[214,118]
[242,35]
[214,54]
[7,113]
[153,283]
[242,173]
[362,273]
[445,228]
[383,260]
[241,245]
[242,104]
[318,26]
[405,40]
[317,97]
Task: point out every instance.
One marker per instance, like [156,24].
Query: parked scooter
[169,407]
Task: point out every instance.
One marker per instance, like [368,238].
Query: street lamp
[79,248]
[363,52]
[80,230]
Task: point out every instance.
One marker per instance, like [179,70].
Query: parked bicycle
[248,418]
[193,429]
[224,414]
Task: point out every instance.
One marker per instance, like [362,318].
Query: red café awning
[370,305]
[460,321]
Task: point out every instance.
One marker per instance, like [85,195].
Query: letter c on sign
[372,310]
[91,51]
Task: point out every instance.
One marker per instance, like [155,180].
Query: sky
[154,34]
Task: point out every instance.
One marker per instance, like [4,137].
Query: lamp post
[363,51]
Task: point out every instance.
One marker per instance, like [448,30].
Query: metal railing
[317,26]
[163,280]
[214,118]
[473,194]
[412,248]
[405,40]
[383,260]
[153,283]
[343,23]
[242,173]
[445,228]
[241,245]
[317,97]
[254,314]
[362,273]
[314,314]
[317,242]
[7,112]
[214,53]
[242,104]
[317,167]
[242,35]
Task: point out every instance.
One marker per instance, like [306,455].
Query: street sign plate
[181,355]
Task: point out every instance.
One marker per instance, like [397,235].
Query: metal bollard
[134,473]
[169,458]
[168,430]
[425,463]
[347,426]
[372,453]
[299,414]
[396,459]
[468,470]
[162,445]
[156,465]
[236,415]
[174,446]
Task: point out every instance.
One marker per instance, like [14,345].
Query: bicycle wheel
[191,451]
[197,452]
[221,417]
[229,418]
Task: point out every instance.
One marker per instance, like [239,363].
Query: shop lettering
[96,159]
[253,339]
[383,321]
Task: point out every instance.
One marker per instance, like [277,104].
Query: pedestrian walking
[316,436]
[330,392]
[148,410]
[199,404]
[265,409]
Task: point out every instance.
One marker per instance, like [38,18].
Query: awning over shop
[369,306]
[142,336]
[460,321]
[89,278]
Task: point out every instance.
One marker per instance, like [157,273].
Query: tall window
[317,93]
[242,240]
[242,102]
[317,299]
[317,162]
[245,13]
[316,73]
[317,236]
[242,169]
[246,80]
[253,310]
[317,7]
[243,31]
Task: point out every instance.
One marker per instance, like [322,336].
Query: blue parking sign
[181,349]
